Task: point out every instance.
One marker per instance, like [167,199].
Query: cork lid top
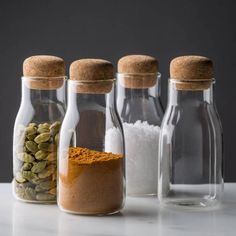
[191,68]
[94,75]
[135,64]
[44,72]
[137,71]
[194,72]
[43,66]
[91,69]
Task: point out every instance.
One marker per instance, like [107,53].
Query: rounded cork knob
[193,72]
[43,66]
[44,72]
[135,64]
[139,71]
[93,75]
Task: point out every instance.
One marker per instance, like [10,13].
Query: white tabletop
[141,216]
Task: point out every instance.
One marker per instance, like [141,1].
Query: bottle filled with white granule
[141,112]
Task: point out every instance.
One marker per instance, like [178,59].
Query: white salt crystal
[141,152]
[113,141]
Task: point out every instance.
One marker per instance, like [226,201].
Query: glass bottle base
[90,213]
[33,201]
[141,194]
[190,203]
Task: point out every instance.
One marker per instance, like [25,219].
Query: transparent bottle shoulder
[149,110]
[207,114]
[92,126]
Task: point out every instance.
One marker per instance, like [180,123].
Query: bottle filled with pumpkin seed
[36,129]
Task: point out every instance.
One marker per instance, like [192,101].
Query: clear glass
[141,112]
[190,153]
[35,138]
[91,123]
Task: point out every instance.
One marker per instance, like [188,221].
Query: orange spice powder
[91,182]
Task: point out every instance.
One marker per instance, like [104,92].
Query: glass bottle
[36,129]
[141,112]
[190,154]
[91,170]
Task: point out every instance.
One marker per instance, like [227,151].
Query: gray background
[111,29]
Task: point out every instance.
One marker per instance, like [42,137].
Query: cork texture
[192,72]
[47,72]
[93,75]
[137,81]
[140,71]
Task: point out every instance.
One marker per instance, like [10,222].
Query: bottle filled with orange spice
[91,171]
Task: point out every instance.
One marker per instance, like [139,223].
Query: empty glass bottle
[190,154]
[36,129]
[140,109]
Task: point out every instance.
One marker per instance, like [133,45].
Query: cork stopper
[44,72]
[94,75]
[192,72]
[138,71]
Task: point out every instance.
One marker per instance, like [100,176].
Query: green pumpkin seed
[25,157]
[44,174]
[31,130]
[55,127]
[43,146]
[31,137]
[45,197]
[29,175]
[38,189]
[19,178]
[27,166]
[36,180]
[33,124]
[46,125]
[39,166]
[41,155]
[30,194]
[31,146]
[41,138]
[43,128]
[46,185]
[47,172]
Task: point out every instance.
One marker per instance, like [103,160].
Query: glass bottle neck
[138,85]
[138,98]
[88,100]
[35,96]
[180,96]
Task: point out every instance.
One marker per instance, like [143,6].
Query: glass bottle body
[92,183]
[141,113]
[190,154]
[36,132]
